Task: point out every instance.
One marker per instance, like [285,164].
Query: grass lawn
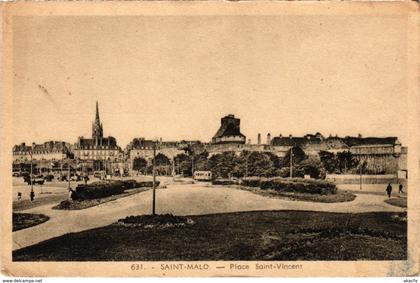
[398,201]
[258,235]
[340,196]
[26,220]
[77,205]
[27,204]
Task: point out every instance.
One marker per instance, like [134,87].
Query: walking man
[389,190]
[400,188]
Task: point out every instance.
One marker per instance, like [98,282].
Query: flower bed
[297,185]
[155,221]
[26,220]
[105,189]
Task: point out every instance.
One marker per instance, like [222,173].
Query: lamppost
[108,168]
[246,163]
[32,182]
[68,175]
[192,165]
[154,180]
[291,162]
[362,165]
[173,167]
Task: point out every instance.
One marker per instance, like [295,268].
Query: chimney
[249,141]
[268,138]
[259,138]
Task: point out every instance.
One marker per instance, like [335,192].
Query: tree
[183,164]
[274,159]
[298,156]
[139,164]
[346,161]
[313,167]
[162,160]
[329,161]
[284,172]
[162,164]
[200,161]
[198,155]
[260,164]
[222,165]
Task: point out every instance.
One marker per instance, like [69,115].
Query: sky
[175,77]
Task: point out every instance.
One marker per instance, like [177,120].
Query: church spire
[97,132]
[97,120]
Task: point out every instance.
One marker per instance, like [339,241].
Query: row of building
[102,153]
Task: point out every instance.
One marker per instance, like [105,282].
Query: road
[179,199]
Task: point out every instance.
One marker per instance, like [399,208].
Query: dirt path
[181,200]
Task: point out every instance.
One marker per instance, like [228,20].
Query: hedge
[104,189]
[225,182]
[297,185]
[252,181]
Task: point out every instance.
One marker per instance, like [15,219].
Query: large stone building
[382,155]
[142,148]
[98,152]
[45,156]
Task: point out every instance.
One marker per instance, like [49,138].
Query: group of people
[31,196]
[389,189]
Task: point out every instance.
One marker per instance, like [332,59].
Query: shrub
[65,204]
[143,184]
[97,190]
[296,185]
[284,172]
[252,181]
[313,167]
[104,189]
[223,182]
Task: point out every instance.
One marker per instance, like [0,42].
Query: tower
[97,132]
[268,138]
[229,131]
[259,138]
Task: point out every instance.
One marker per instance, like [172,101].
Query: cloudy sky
[175,77]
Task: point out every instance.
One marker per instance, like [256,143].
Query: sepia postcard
[210,138]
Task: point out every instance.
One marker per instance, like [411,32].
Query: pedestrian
[19,196]
[389,190]
[400,188]
[70,193]
[32,195]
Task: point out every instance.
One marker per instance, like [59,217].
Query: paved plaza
[180,199]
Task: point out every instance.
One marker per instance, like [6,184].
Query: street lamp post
[68,176]
[246,163]
[192,165]
[173,167]
[32,182]
[291,162]
[154,180]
